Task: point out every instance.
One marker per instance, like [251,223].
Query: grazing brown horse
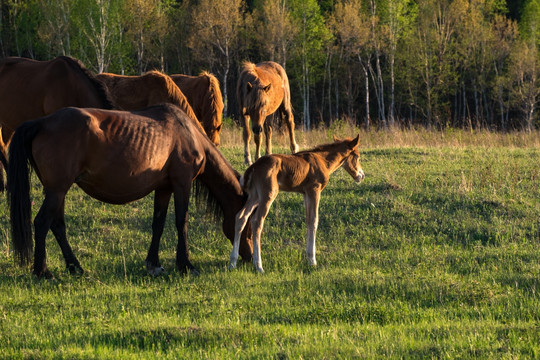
[117,157]
[204,96]
[139,92]
[30,89]
[306,172]
[261,90]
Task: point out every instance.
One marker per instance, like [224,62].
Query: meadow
[434,255]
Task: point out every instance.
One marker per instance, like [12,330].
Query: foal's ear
[249,86]
[335,138]
[267,87]
[354,142]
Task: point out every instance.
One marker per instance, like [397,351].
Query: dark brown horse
[306,172]
[30,89]
[116,157]
[139,92]
[261,90]
[204,96]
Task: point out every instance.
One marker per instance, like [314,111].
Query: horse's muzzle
[257,129]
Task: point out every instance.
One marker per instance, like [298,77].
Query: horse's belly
[121,189]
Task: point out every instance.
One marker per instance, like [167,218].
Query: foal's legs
[52,205]
[181,202]
[246,134]
[311,201]
[161,203]
[58,227]
[241,220]
[257,223]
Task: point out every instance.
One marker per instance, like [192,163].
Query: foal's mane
[324,147]
[102,90]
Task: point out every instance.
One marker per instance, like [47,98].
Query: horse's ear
[249,86]
[335,138]
[267,87]
[354,142]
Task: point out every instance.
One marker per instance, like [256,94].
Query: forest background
[378,64]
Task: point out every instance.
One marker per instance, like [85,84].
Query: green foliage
[434,255]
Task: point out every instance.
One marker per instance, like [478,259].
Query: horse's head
[257,101]
[213,131]
[352,161]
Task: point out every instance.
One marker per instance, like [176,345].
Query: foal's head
[352,161]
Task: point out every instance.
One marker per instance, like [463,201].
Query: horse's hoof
[259,270]
[156,271]
[75,269]
[45,274]
[231,267]
[194,272]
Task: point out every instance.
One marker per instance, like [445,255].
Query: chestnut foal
[306,172]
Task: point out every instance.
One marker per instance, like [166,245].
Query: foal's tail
[18,189]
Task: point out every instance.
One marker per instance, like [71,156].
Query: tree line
[378,63]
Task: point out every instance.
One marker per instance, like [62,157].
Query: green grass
[435,255]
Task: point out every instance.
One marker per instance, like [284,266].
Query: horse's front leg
[246,134]
[161,204]
[311,202]
[268,136]
[58,228]
[52,205]
[181,202]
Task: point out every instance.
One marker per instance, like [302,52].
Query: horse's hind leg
[58,227]
[48,212]
[161,203]
[257,223]
[289,120]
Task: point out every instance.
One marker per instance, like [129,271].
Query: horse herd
[120,138]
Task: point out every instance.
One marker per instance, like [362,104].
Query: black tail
[18,188]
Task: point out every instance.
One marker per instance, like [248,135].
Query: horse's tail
[18,189]
[245,180]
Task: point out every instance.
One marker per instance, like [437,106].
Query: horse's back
[114,156]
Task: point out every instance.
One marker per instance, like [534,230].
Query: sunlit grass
[434,255]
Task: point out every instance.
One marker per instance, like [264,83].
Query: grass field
[435,255]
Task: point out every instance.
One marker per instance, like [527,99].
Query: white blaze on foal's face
[353,167]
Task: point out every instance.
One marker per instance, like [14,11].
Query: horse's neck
[221,179]
[332,159]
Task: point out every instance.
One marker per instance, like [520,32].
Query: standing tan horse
[261,90]
[204,96]
[117,157]
[30,89]
[306,172]
[151,88]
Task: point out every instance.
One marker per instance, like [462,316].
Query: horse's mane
[324,147]
[101,89]
[174,94]
[214,92]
